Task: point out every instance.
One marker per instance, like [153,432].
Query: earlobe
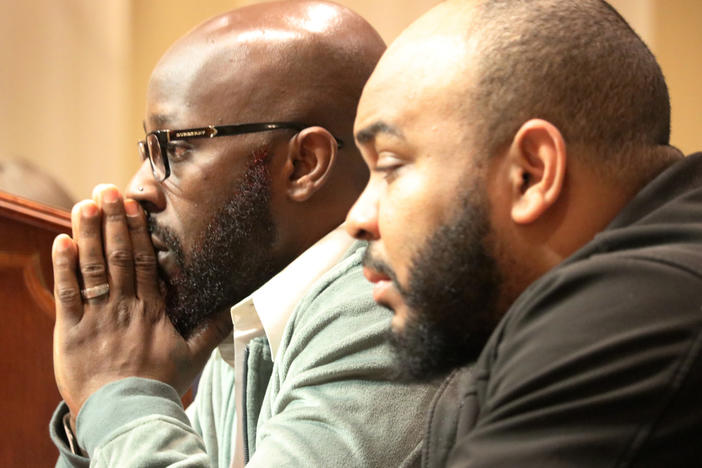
[537,170]
[312,155]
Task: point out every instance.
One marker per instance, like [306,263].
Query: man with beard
[529,185]
[246,169]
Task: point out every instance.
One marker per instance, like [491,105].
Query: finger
[88,237]
[144,255]
[69,308]
[116,241]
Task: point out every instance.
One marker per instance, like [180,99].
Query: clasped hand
[101,337]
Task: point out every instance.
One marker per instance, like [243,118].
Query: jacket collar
[270,307]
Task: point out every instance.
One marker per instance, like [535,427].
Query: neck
[585,207]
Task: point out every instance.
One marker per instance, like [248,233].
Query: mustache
[165,235]
[371,261]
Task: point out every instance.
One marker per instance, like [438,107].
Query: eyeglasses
[154,143]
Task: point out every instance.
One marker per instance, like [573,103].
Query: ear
[311,156]
[537,160]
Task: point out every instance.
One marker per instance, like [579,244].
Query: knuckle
[122,312]
[89,230]
[114,217]
[152,313]
[62,261]
[67,295]
[92,270]
[145,261]
[137,227]
[74,341]
[120,257]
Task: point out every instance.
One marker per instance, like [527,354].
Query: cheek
[185,220]
[406,216]
[412,207]
[191,204]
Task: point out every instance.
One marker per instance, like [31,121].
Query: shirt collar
[275,301]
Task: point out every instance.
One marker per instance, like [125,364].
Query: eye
[389,172]
[178,150]
[143,150]
[388,165]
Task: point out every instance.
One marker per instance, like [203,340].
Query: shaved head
[303,61]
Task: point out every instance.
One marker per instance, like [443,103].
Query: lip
[382,289]
[167,263]
[158,244]
[164,256]
[374,276]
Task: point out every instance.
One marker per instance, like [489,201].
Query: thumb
[207,338]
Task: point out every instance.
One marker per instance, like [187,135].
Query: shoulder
[623,297]
[611,286]
[606,342]
[338,317]
[596,332]
[341,294]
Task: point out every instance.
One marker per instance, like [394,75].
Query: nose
[144,189]
[362,219]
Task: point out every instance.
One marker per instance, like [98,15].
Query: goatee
[230,259]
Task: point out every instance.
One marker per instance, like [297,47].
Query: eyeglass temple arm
[260,127]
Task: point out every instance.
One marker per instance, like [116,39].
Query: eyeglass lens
[158,165]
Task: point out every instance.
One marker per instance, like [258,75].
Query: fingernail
[89,209]
[131,207]
[64,242]
[98,189]
[110,195]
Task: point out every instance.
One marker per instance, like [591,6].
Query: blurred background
[74,74]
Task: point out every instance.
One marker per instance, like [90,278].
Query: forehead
[419,89]
[202,83]
[428,71]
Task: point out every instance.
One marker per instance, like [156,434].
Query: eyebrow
[160,120]
[369,133]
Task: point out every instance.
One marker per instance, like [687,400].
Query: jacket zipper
[244,426]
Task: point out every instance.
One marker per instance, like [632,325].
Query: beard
[230,258]
[451,295]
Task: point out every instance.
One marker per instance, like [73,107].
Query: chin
[399,321]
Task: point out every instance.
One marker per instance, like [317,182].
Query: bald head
[303,61]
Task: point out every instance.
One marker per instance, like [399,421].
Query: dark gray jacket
[599,362]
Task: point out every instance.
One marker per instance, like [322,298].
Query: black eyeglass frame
[163,137]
